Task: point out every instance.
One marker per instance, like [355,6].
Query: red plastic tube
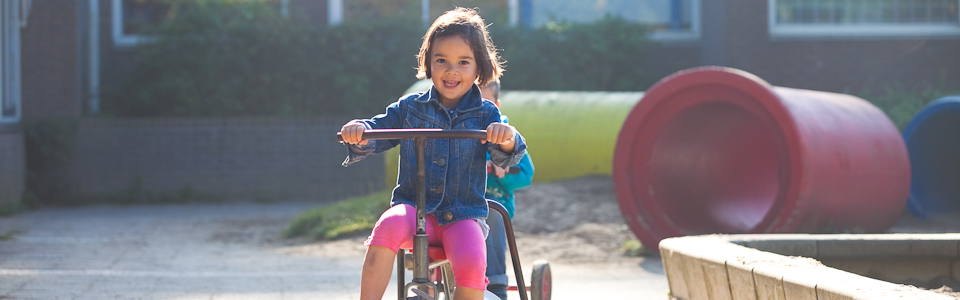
[719,150]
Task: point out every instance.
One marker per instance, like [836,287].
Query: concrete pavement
[222,251]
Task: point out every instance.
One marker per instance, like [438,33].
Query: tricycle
[432,273]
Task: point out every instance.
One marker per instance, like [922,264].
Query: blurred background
[141,101]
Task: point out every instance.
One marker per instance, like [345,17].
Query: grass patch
[9,210]
[341,219]
[634,248]
[901,104]
[9,235]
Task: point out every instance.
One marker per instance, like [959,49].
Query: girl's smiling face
[453,68]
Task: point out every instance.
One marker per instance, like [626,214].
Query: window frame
[116,25]
[692,35]
[127,40]
[11,22]
[889,30]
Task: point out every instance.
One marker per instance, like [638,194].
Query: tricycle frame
[421,264]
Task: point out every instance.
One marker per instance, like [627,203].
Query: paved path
[220,252]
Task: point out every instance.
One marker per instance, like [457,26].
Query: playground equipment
[550,120]
[719,150]
[434,279]
[933,140]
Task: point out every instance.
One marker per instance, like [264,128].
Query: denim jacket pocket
[418,119]
[467,148]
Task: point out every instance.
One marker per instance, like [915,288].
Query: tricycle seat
[436,254]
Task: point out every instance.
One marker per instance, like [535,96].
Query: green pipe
[569,134]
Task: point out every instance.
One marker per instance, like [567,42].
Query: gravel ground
[577,222]
[234,251]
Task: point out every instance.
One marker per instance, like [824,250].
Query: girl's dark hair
[466,23]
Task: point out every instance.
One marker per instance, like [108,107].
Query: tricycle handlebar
[430,133]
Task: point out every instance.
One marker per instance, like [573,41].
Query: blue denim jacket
[456,168]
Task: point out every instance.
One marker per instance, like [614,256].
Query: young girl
[458,56]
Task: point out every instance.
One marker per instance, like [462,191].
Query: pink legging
[462,242]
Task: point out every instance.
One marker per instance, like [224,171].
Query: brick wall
[847,64]
[11,165]
[239,158]
[663,59]
[734,33]
[51,60]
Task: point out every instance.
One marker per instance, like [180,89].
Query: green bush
[902,104]
[228,57]
[244,58]
[602,56]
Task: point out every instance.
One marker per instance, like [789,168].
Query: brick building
[58,54]
[830,45]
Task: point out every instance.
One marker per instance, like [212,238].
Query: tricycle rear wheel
[541,281]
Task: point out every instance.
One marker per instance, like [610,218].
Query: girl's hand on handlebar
[352,133]
[501,134]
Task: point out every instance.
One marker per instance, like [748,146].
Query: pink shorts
[462,241]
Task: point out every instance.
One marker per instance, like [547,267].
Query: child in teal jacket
[500,187]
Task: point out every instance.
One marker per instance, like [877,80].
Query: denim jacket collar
[470,101]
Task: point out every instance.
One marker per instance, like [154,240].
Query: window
[10,23]
[132,17]
[670,19]
[864,17]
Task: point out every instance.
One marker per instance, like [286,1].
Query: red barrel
[719,150]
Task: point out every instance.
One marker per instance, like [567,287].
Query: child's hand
[352,133]
[497,170]
[501,134]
